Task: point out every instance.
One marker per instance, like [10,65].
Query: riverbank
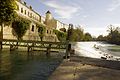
[84,68]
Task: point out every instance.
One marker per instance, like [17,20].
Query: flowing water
[97,50]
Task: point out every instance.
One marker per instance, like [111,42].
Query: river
[97,50]
[20,65]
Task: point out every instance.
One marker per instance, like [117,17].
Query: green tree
[100,38]
[114,35]
[87,37]
[77,34]
[60,35]
[20,27]
[69,32]
[7,13]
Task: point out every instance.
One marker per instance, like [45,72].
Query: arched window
[21,10]
[32,28]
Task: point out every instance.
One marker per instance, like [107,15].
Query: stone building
[32,33]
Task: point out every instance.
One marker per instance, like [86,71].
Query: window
[32,28]
[28,13]
[21,10]
[47,31]
[25,12]
[40,30]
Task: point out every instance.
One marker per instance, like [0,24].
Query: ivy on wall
[60,35]
[41,31]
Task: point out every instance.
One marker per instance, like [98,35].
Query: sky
[93,15]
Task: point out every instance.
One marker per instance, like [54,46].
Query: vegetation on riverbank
[73,34]
[113,36]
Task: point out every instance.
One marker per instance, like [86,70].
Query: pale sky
[93,15]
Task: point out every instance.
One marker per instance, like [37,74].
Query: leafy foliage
[87,37]
[69,32]
[60,35]
[20,27]
[113,36]
[41,30]
[7,10]
[73,34]
[78,34]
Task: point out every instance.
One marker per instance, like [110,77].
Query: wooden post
[0,45]
[28,48]
[67,51]
[32,47]
[48,51]
[1,36]
[11,47]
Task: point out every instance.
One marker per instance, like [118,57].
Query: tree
[114,35]
[60,35]
[87,37]
[100,38]
[20,27]
[7,13]
[77,34]
[69,32]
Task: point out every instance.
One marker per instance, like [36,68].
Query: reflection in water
[20,65]
[11,63]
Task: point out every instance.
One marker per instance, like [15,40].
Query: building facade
[32,33]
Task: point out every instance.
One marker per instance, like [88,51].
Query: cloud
[115,4]
[62,9]
[85,16]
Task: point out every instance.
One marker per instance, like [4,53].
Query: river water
[97,50]
[20,65]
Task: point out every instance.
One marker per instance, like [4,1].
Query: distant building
[32,33]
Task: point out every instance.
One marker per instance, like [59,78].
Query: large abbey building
[32,33]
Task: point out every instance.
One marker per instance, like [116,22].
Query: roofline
[29,8]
